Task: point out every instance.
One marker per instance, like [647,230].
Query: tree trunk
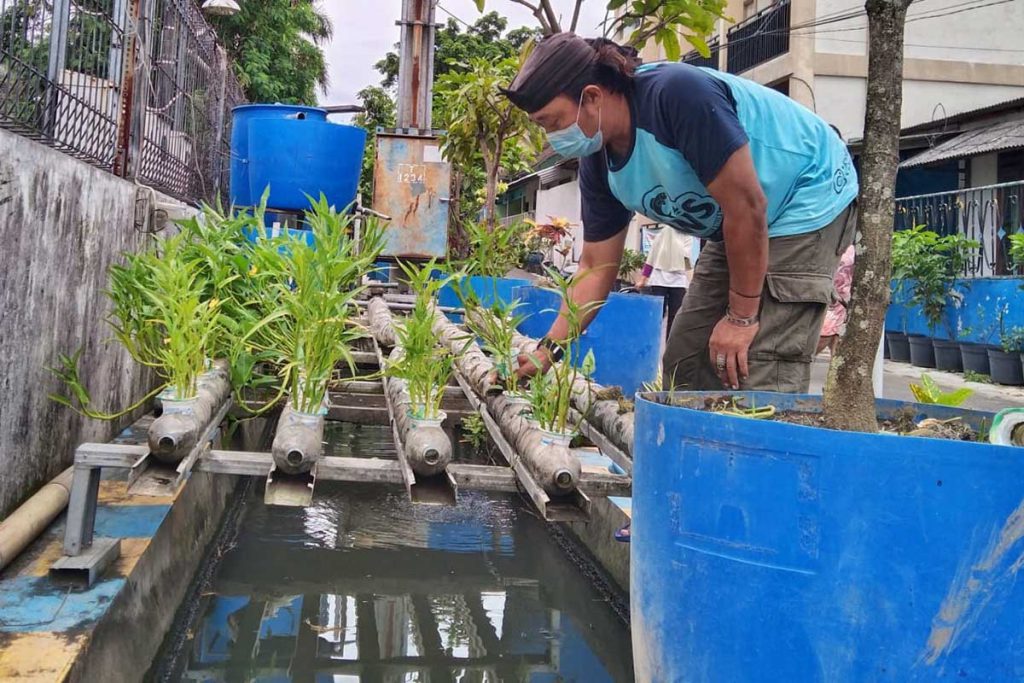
[491,198]
[849,401]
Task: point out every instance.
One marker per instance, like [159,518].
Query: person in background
[835,317]
[667,270]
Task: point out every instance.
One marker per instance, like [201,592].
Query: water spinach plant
[496,326]
[425,366]
[551,392]
[307,302]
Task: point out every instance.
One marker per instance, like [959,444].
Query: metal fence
[988,214]
[758,39]
[697,59]
[137,87]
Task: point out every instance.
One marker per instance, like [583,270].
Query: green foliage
[275,47]
[379,113]
[492,253]
[972,376]
[643,20]
[483,127]
[496,326]
[1012,340]
[307,300]
[551,392]
[474,431]
[632,261]
[423,364]
[929,265]
[1017,249]
[930,392]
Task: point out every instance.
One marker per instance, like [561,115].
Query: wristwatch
[553,349]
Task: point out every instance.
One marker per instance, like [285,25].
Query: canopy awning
[995,137]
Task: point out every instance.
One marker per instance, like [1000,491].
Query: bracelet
[738,321]
[746,296]
[553,348]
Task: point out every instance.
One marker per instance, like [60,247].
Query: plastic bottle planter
[179,427]
[1006,367]
[427,446]
[298,443]
[975,358]
[555,438]
[922,353]
[947,355]
[520,403]
[899,346]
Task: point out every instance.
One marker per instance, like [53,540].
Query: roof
[998,107]
[1005,135]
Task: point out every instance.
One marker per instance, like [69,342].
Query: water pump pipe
[32,517]
[173,435]
[552,465]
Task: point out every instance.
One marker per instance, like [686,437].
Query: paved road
[899,376]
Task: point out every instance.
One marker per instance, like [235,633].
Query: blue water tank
[488,290]
[766,551]
[241,117]
[625,336]
[300,157]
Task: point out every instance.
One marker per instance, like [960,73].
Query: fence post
[55,66]
[140,91]
[216,145]
[127,13]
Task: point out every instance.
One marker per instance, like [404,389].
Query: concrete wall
[62,223]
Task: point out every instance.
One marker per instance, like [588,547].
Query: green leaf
[479,5]
[955,398]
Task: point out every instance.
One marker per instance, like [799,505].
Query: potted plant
[497,326]
[632,261]
[903,245]
[551,391]
[931,263]
[1005,360]
[975,354]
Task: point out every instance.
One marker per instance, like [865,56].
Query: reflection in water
[364,586]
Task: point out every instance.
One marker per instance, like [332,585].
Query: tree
[641,19]
[275,48]
[849,401]
[379,112]
[481,124]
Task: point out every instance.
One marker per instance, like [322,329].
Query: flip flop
[623,534]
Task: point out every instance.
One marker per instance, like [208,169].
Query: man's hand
[641,282]
[728,349]
[530,364]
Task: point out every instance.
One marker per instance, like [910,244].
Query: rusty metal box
[411,185]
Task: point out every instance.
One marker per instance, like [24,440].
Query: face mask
[572,142]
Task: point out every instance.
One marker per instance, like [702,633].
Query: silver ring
[720,361]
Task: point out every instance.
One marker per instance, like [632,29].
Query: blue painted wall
[976,319]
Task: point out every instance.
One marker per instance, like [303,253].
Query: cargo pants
[798,290]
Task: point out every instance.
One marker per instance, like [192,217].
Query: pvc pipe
[1007,428]
[33,516]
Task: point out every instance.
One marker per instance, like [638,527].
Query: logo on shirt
[690,212]
[842,176]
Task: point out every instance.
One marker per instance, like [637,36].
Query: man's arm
[598,268]
[745,228]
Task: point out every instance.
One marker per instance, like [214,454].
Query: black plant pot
[975,358]
[947,355]
[899,347]
[885,347]
[1006,367]
[922,353]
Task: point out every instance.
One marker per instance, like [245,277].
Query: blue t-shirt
[687,122]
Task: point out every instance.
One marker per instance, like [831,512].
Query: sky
[364,30]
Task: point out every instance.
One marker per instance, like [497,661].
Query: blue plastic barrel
[254,235]
[296,158]
[240,119]
[488,290]
[766,551]
[625,336]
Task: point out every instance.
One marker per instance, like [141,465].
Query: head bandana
[553,66]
